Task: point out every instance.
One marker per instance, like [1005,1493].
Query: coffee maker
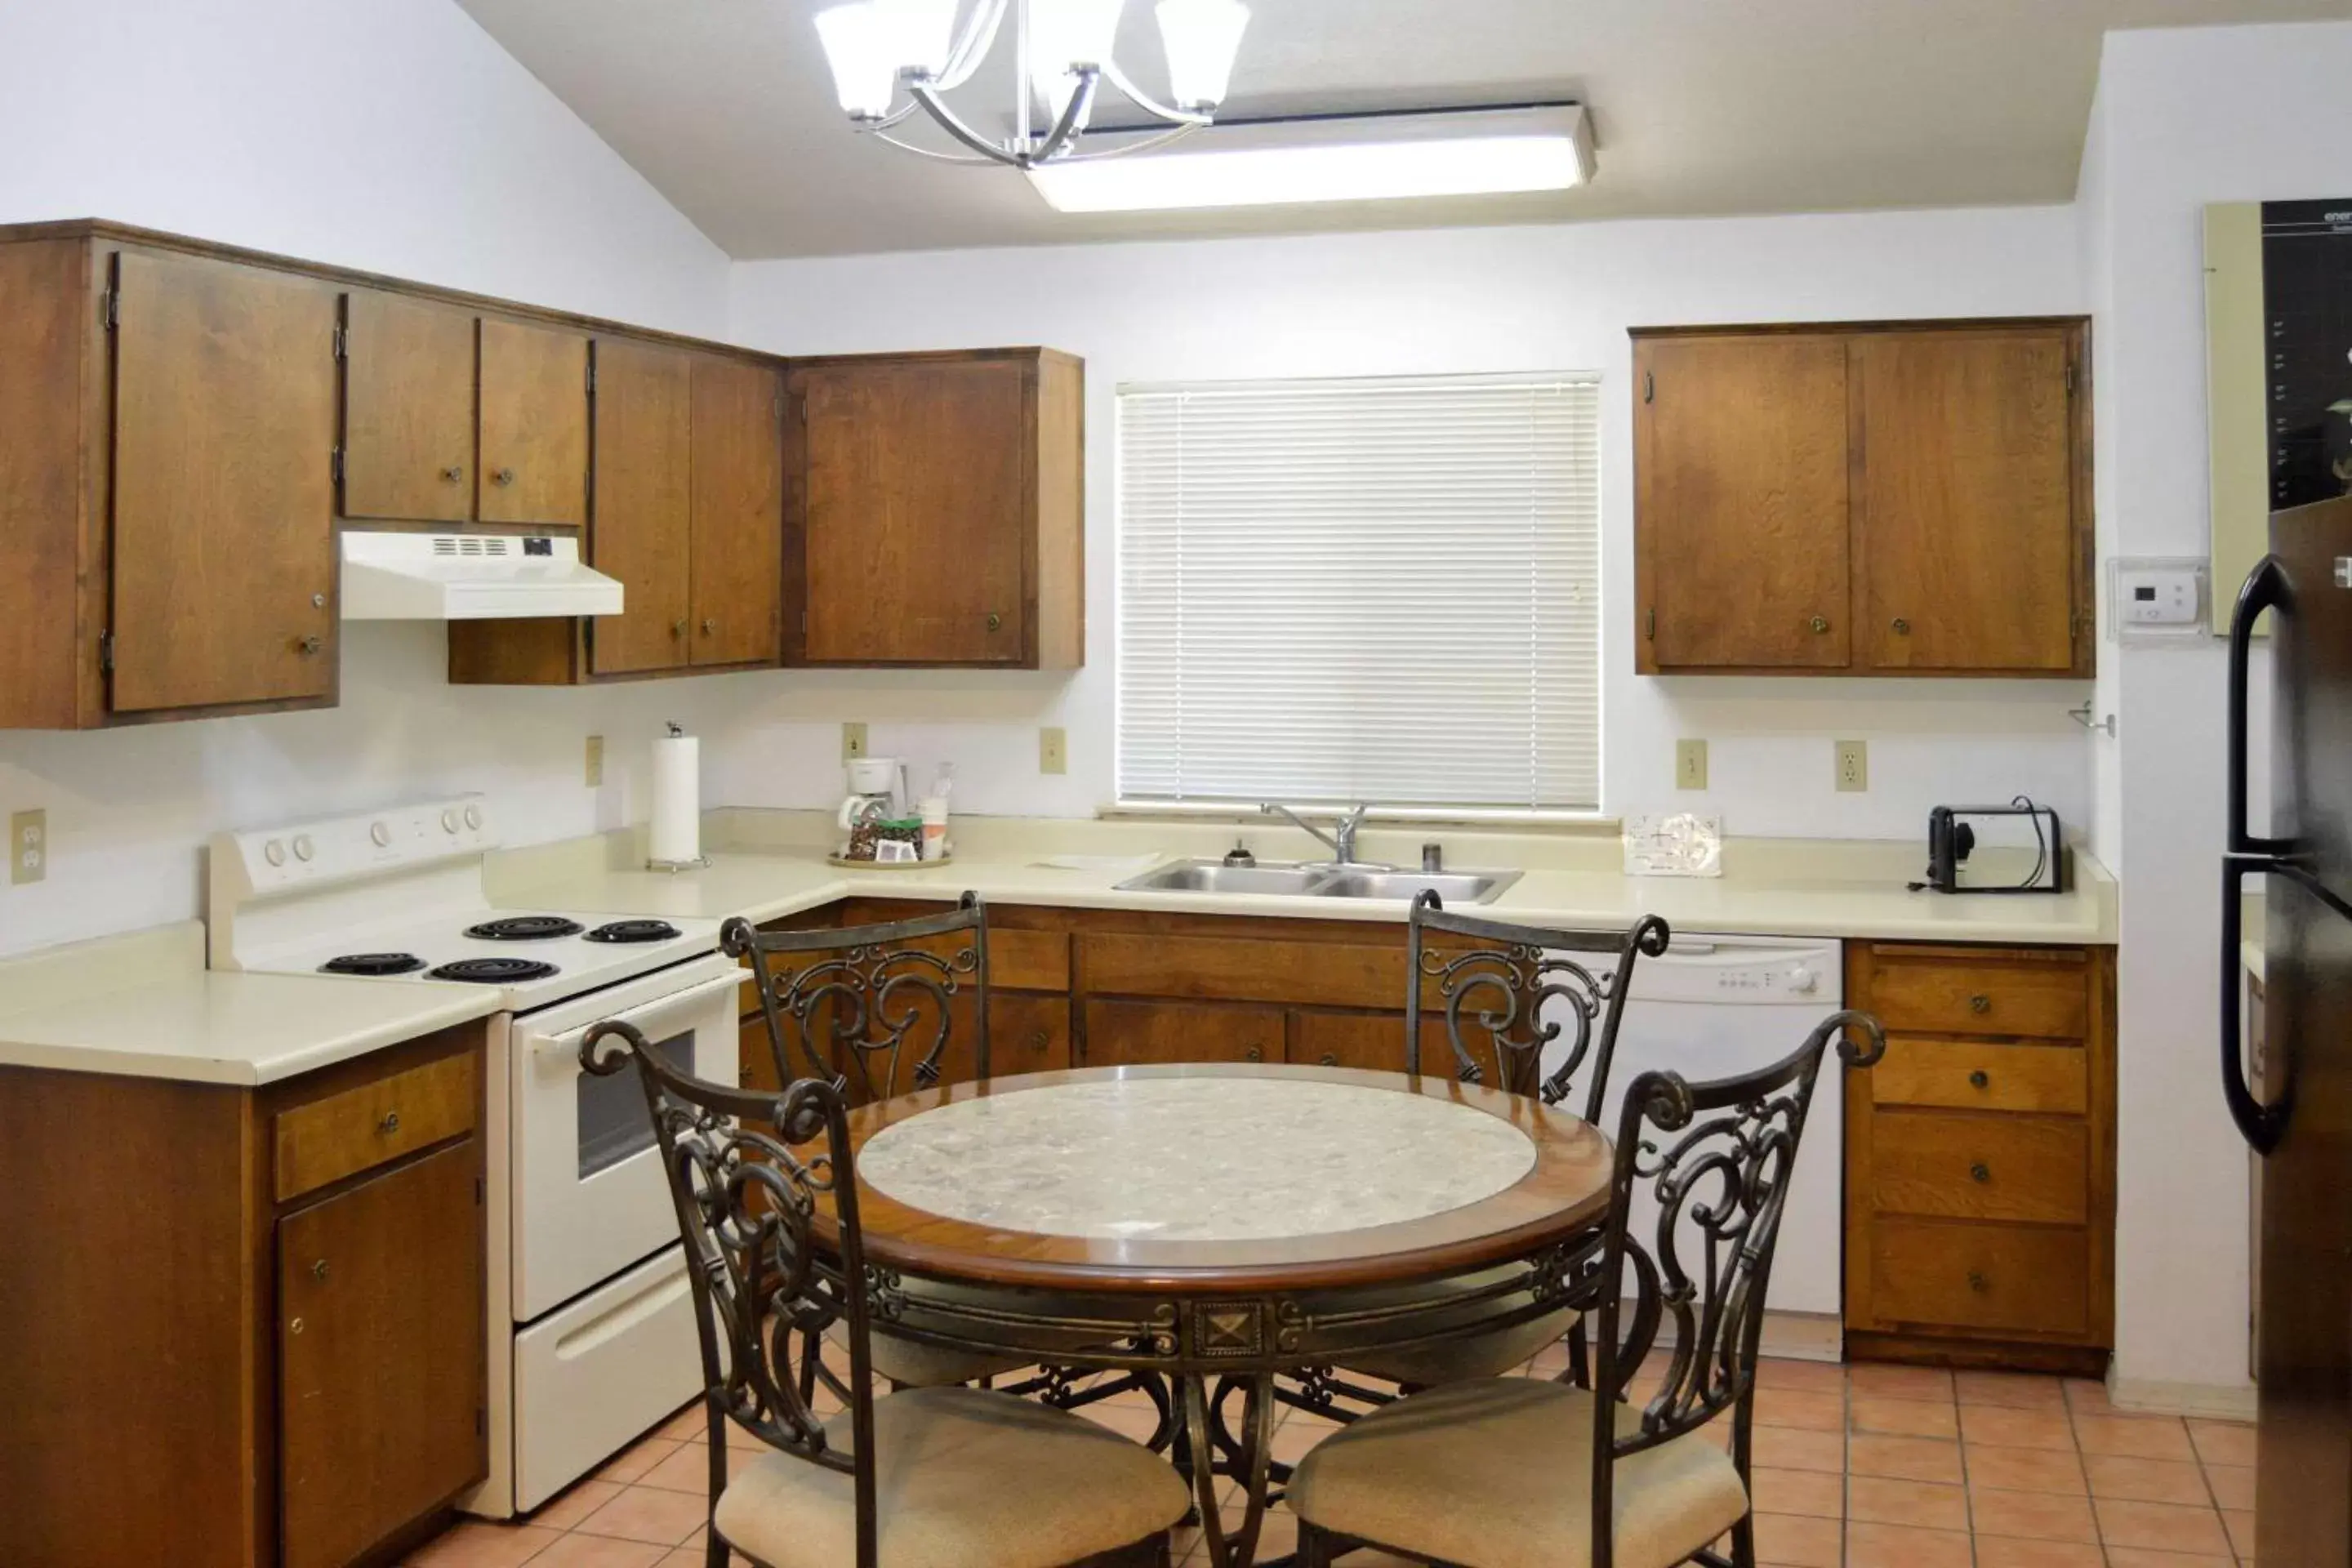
[878,793]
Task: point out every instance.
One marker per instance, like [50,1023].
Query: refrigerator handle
[2261,1125]
[2265,589]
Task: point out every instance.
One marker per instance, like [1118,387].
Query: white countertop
[70,1008]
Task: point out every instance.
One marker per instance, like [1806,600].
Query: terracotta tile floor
[1867,1467]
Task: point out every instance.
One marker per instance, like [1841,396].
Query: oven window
[613,1121]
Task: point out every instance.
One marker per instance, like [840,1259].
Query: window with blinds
[1383,590]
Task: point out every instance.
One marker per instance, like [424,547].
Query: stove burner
[523,928]
[634,930]
[373,963]
[494,971]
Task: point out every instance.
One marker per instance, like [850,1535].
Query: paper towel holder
[677,731]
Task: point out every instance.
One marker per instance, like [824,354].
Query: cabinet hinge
[335,463]
[1650,624]
[2070,378]
[481,1421]
[338,340]
[106,653]
[109,309]
[1649,387]
[478,1192]
[592,370]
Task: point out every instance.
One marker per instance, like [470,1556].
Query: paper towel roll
[676,839]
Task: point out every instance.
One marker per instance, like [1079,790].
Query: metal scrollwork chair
[1518,1470]
[937,1478]
[879,1011]
[1508,996]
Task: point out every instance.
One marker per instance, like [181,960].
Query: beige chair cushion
[1499,1473]
[1457,1361]
[911,1363]
[963,1478]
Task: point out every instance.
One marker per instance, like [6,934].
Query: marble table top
[1195,1158]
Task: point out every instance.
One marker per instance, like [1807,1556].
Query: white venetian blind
[1361,590]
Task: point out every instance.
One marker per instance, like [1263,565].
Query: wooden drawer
[1027,1034]
[1972,1076]
[1243,969]
[1126,1034]
[1980,1167]
[348,1132]
[2039,997]
[1028,960]
[1993,1279]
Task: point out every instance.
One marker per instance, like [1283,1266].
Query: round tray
[832,859]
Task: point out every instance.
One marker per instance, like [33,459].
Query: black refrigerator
[2298,1118]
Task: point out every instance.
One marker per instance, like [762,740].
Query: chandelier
[1061,59]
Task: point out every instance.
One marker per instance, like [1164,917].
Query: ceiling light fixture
[1061,55]
[1342,158]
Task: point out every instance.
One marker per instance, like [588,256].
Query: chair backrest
[747,1175]
[872,1008]
[1719,1156]
[1513,990]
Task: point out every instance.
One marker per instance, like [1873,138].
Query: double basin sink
[1323,882]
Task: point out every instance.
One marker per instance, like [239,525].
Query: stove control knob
[449,820]
[381,832]
[472,816]
[1803,981]
[304,847]
[274,852]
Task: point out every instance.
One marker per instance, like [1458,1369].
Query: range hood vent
[470,577]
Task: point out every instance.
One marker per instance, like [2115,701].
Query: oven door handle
[567,1044]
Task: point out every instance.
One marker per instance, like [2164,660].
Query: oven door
[589,1196]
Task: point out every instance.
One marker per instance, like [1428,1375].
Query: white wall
[387,135]
[1555,298]
[2183,119]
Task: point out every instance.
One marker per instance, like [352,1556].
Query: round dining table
[1220,1224]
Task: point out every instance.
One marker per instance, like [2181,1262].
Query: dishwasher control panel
[1743,971]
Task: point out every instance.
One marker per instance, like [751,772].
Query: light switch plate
[1053,750]
[853,741]
[1690,765]
[1853,766]
[594,770]
[28,847]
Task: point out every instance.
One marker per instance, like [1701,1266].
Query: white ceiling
[1700,107]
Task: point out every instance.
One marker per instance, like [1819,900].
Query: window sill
[1576,823]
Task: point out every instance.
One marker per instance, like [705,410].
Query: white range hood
[470,577]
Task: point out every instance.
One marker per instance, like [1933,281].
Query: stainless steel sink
[1319,881]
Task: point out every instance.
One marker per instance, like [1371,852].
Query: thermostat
[2155,600]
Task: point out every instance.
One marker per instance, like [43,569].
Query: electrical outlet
[1053,750]
[28,847]
[595,768]
[853,741]
[1690,765]
[1853,766]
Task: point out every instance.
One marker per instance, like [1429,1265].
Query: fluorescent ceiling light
[1371,158]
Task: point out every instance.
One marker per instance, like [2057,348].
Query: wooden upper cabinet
[938,509]
[1966,457]
[408,409]
[1897,497]
[735,599]
[224,570]
[534,424]
[643,505]
[1740,556]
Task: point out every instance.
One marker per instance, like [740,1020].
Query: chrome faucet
[1340,840]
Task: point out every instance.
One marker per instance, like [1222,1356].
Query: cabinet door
[408,409]
[644,477]
[1741,517]
[1128,1033]
[224,487]
[916,510]
[1968,525]
[534,424]
[737,593]
[379,1356]
[1372,1041]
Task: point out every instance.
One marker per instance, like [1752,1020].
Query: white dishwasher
[1715,1005]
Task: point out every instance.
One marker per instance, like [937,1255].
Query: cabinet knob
[318,601]
[1979,1079]
[1902,627]
[390,1124]
[1978,1282]
[319,1270]
[1980,1172]
[677,628]
[310,646]
[1256,1053]
[295,1327]
[1819,624]
[1329,1059]
[1039,1039]
[454,472]
[709,627]
[995,621]
[1979,1002]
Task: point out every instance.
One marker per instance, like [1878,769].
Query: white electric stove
[589,1316]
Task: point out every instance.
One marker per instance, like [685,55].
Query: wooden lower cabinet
[1981,1157]
[210,1375]
[1125,1033]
